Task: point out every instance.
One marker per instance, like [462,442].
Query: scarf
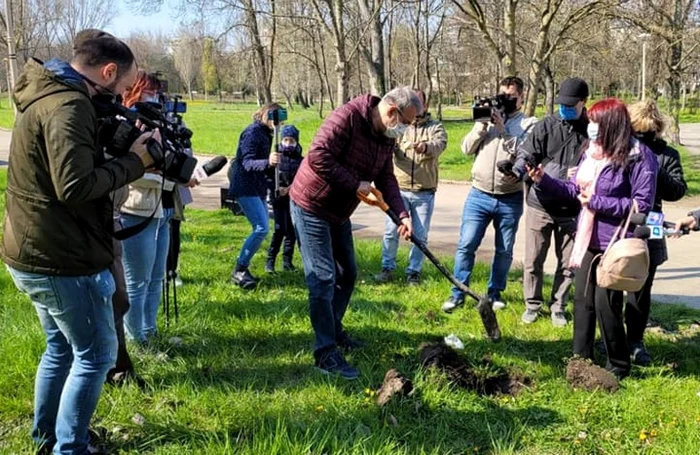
[586,179]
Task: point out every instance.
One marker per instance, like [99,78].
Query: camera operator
[248,177]
[145,254]
[58,228]
[494,197]
[557,143]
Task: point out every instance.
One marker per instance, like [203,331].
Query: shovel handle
[375,198]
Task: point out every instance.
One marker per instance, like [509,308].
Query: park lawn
[242,382]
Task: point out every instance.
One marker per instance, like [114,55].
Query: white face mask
[396,131]
[150,99]
[592,130]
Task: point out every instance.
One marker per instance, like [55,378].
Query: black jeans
[592,303]
[284,231]
[637,309]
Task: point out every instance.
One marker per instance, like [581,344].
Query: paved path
[677,281]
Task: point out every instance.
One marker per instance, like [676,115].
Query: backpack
[625,263]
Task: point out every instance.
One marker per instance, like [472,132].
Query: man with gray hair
[352,149]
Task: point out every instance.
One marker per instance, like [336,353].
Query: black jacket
[248,172]
[557,144]
[670,186]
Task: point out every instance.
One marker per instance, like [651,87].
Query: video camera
[483,107]
[118,131]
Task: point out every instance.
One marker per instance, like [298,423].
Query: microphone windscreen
[214,165]
[642,232]
[638,219]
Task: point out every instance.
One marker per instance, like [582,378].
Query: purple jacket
[345,151]
[614,191]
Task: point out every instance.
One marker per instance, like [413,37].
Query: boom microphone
[209,168]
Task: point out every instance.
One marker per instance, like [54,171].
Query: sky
[126,22]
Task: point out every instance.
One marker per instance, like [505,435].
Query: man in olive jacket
[57,240]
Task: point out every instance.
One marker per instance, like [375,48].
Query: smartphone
[277,115]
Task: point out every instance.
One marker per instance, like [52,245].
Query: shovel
[484,305]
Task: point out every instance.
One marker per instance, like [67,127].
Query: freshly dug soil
[583,374]
[394,384]
[462,374]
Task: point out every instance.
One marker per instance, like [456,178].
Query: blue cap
[290,131]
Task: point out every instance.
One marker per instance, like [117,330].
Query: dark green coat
[58,218]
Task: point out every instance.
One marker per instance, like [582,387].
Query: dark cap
[290,131]
[571,91]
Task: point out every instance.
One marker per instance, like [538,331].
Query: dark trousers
[120,304]
[174,250]
[284,231]
[637,309]
[592,303]
[330,269]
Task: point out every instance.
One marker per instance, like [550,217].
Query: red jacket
[345,151]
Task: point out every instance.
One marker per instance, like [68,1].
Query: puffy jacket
[249,171]
[490,147]
[58,216]
[670,186]
[288,167]
[615,188]
[558,144]
[419,171]
[346,150]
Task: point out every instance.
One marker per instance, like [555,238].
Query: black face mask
[103,93]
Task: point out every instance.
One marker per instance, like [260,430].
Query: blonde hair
[647,118]
[261,114]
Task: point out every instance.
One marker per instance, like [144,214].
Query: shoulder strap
[619,232]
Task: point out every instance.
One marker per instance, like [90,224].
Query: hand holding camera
[420,147]
[275,159]
[141,145]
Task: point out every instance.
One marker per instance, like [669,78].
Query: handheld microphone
[209,168]
[657,232]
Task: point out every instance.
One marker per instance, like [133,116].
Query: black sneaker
[270,266]
[244,279]
[413,279]
[334,363]
[347,343]
[640,355]
[288,267]
[385,276]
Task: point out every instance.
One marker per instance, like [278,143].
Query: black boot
[243,278]
[270,264]
[287,265]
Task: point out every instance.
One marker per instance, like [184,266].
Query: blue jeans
[420,207]
[81,346]
[144,260]
[255,210]
[479,210]
[330,269]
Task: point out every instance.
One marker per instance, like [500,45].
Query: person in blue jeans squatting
[248,176]
[495,196]
[416,170]
[57,241]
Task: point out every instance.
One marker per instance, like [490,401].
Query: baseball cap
[571,91]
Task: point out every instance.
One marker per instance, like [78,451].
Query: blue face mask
[568,112]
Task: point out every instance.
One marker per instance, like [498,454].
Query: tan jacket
[490,148]
[145,196]
[419,171]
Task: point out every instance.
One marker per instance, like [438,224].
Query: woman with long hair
[649,125]
[248,184]
[144,256]
[616,172]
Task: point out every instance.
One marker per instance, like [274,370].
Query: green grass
[691,170]
[242,380]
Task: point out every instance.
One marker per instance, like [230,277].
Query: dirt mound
[582,374]
[485,379]
[394,383]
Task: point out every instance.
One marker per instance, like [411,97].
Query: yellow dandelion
[643,435]
[653,433]
[371,393]
[476,449]
[319,408]
[367,400]
[367,391]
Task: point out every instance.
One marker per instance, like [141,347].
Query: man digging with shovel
[353,148]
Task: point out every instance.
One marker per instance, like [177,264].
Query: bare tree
[186,51]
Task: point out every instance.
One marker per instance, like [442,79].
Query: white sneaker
[178,282]
[451,304]
[498,305]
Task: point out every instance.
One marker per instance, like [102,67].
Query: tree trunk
[674,66]
[439,89]
[264,73]
[549,89]
[508,60]
[535,73]
[374,53]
